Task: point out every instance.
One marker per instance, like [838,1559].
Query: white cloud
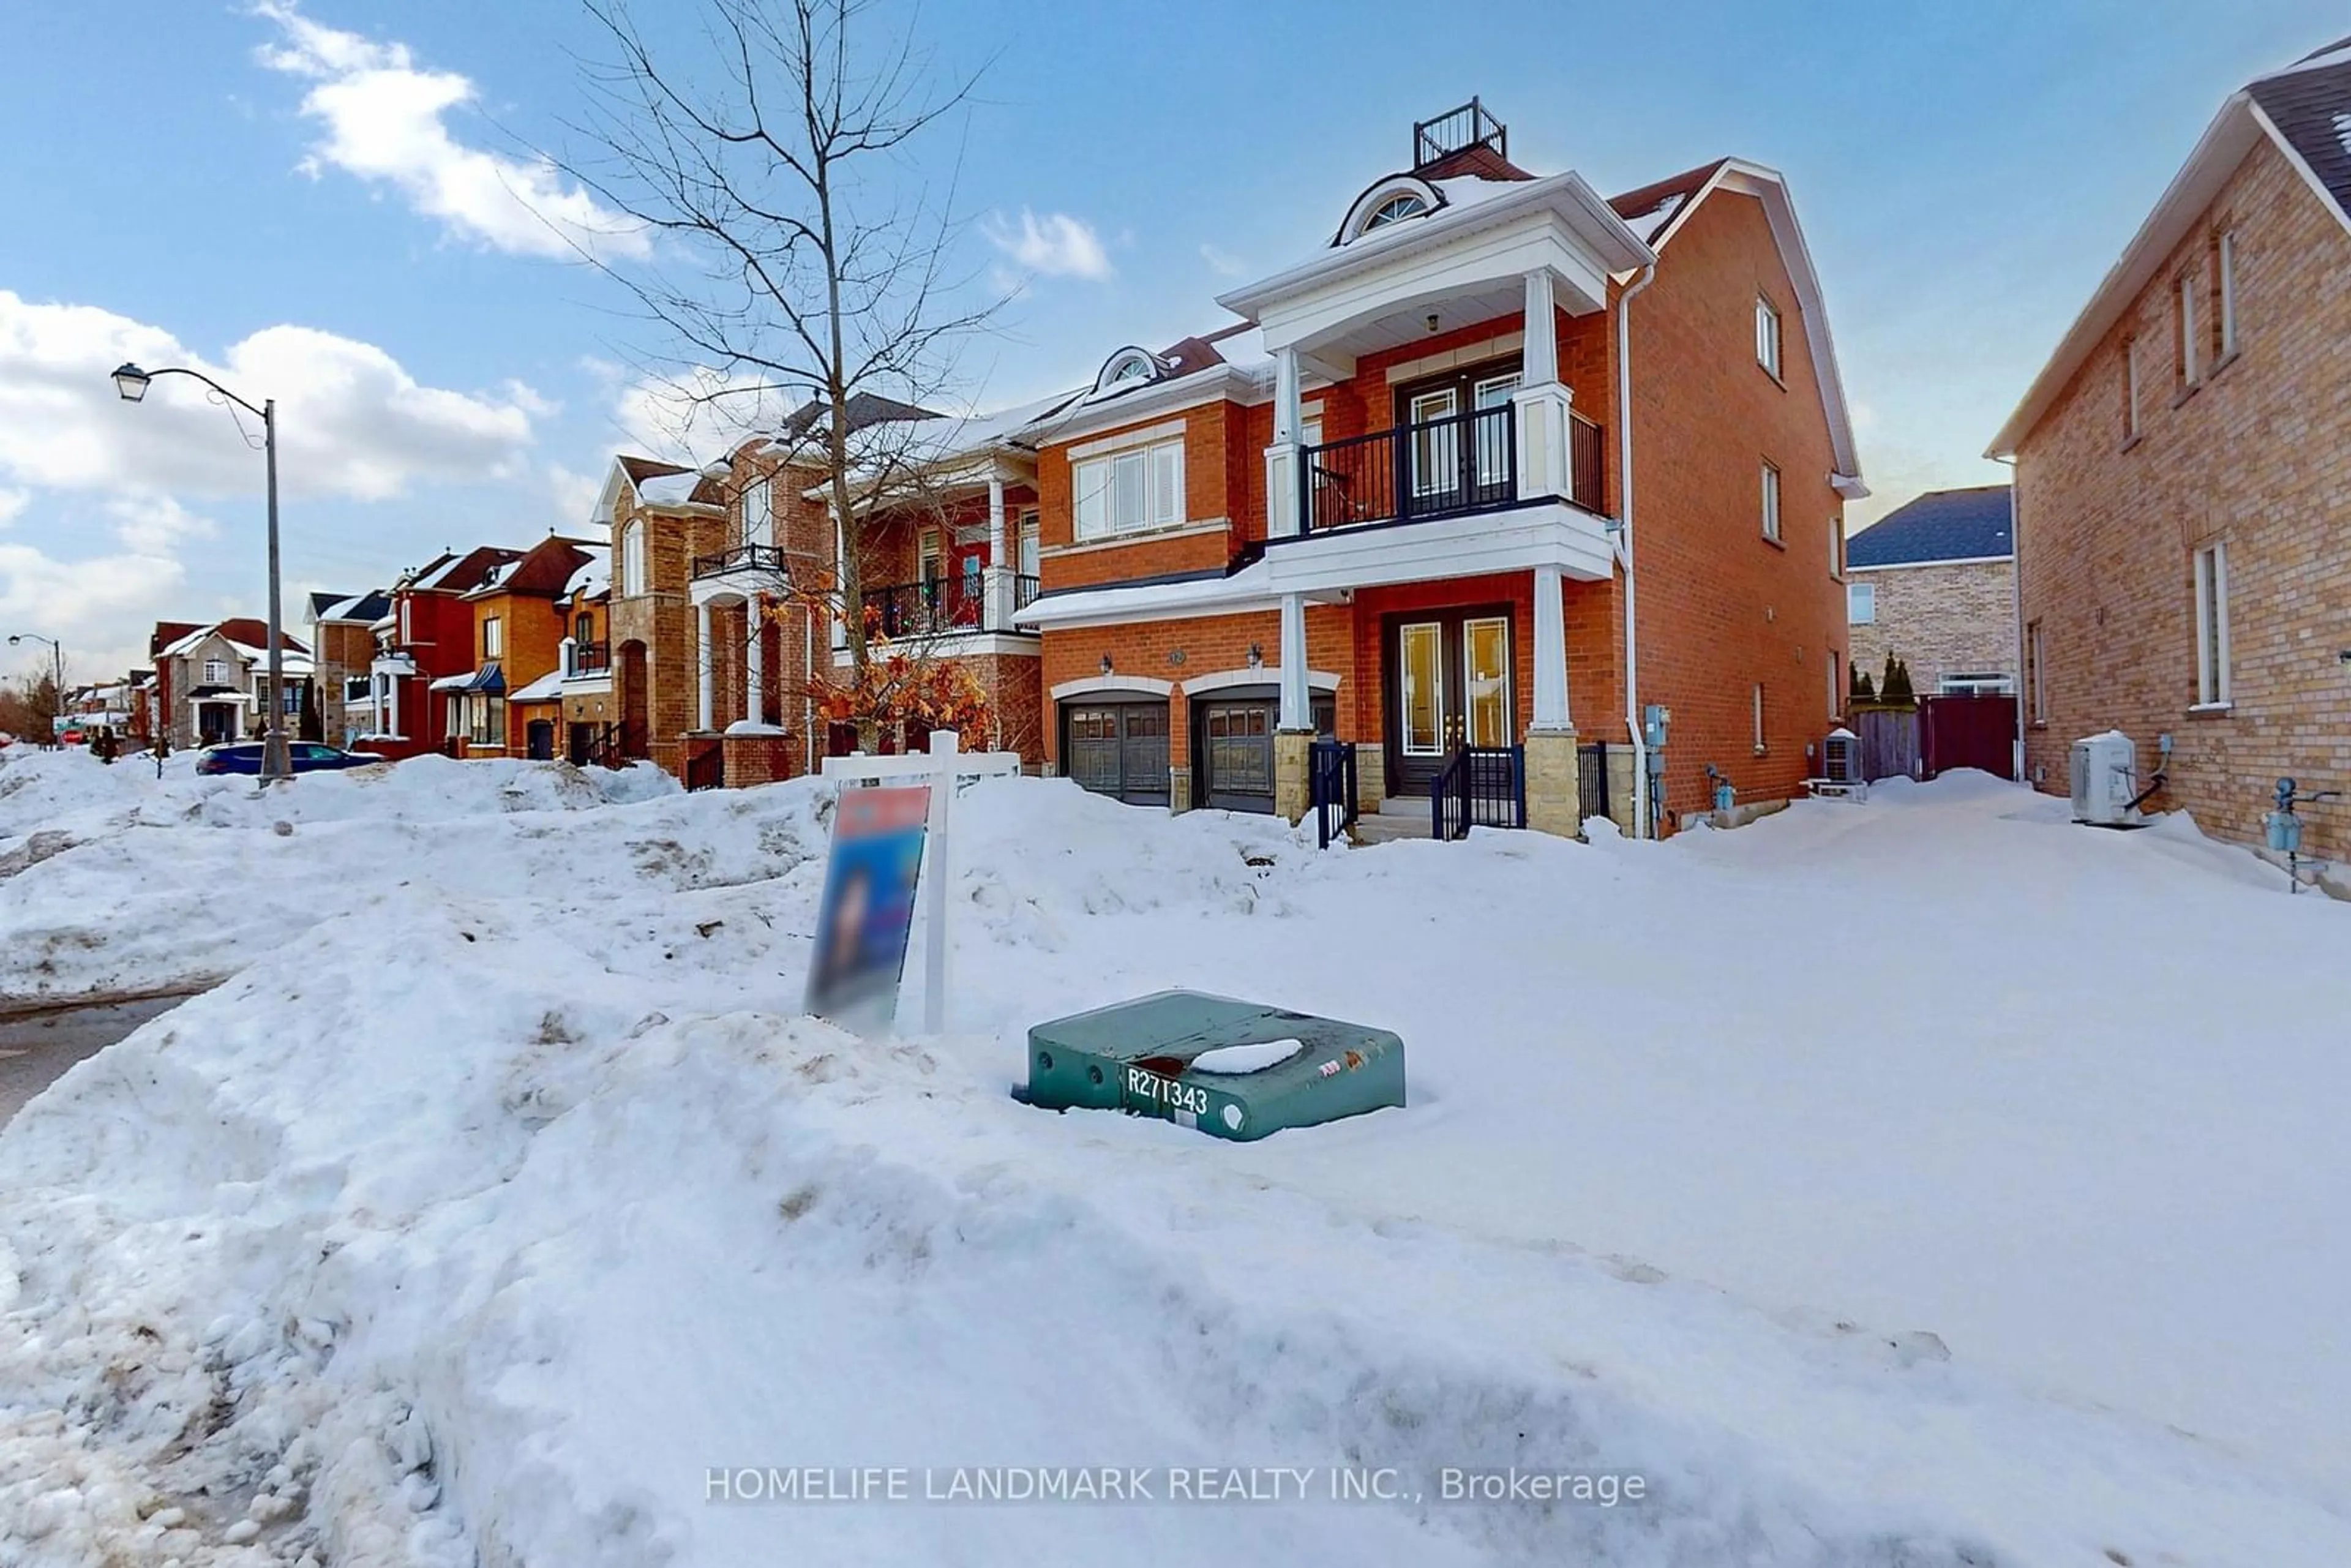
[11,503]
[1223,262]
[385,121]
[94,606]
[351,421]
[151,525]
[1055,246]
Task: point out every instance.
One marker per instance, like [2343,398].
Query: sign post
[941,767]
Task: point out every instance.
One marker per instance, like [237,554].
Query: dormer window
[1395,200]
[1128,367]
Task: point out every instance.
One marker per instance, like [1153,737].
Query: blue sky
[316,202]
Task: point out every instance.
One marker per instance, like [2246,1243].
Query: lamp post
[133,383]
[56,674]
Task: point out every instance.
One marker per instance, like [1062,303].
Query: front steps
[1393,819]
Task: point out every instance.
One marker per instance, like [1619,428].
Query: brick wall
[1721,608]
[1941,619]
[2257,458]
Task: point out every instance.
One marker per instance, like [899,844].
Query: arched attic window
[1392,201]
[1127,368]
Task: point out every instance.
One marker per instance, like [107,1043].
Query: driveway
[37,1049]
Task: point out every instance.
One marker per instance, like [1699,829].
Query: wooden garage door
[1117,748]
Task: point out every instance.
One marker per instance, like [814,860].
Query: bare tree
[800,260]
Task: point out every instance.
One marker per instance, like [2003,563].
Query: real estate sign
[868,910]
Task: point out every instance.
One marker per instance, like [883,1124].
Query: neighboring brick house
[719,638]
[1933,582]
[427,638]
[1382,509]
[212,682]
[510,703]
[589,712]
[343,645]
[2183,472]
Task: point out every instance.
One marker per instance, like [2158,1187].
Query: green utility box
[1232,1069]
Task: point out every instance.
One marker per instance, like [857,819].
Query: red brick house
[1391,506]
[719,633]
[425,654]
[2182,465]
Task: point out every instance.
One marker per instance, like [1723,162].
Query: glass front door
[1448,682]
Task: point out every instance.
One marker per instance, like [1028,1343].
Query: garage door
[1118,748]
[1232,746]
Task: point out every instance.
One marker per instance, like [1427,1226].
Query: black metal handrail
[706,769]
[1331,787]
[1438,468]
[1481,786]
[1587,463]
[591,658]
[1024,589]
[759,557]
[1591,780]
[606,749]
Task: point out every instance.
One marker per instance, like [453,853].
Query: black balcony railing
[1587,463]
[1024,589]
[1463,463]
[591,658]
[742,558]
[930,608]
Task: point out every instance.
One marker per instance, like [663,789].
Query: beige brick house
[2184,476]
[1933,582]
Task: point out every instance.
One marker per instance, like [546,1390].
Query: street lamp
[56,674]
[132,382]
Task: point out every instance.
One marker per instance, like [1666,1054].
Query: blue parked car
[306,757]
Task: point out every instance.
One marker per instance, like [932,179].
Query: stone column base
[1179,791]
[1291,785]
[756,758]
[1371,775]
[1553,802]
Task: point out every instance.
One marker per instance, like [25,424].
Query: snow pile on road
[142,906]
[502,1209]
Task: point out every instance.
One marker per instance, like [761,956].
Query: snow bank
[141,905]
[486,1213]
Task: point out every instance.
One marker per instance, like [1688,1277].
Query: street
[37,1049]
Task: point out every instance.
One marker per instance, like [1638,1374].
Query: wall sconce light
[1105,665]
[1257,656]
[1432,321]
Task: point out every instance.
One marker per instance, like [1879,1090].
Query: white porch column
[1550,653]
[1541,401]
[1281,458]
[755,664]
[704,665]
[1297,707]
[375,703]
[996,581]
[391,686]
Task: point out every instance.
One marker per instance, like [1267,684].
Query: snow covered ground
[1916,1183]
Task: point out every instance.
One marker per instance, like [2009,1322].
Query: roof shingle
[1941,525]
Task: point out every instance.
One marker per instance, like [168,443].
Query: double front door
[1448,681]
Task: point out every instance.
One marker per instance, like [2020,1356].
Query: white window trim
[1770,483]
[493,637]
[1869,590]
[2212,682]
[2227,257]
[2036,655]
[1837,549]
[1154,511]
[1760,747]
[633,565]
[2130,389]
[1768,335]
[2191,367]
[1837,679]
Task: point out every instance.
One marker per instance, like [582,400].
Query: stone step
[1381,827]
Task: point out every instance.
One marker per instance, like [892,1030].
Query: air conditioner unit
[2105,782]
